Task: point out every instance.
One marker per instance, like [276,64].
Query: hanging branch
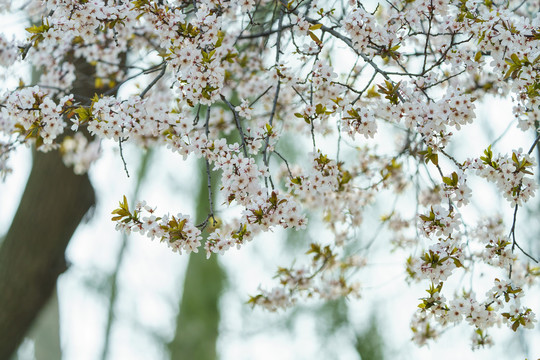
[208,179]
[237,122]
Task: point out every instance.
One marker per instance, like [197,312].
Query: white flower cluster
[359,120]
[8,52]
[78,152]
[178,232]
[440,222]
[303,280]
[501,305]
[108,119]
[457,191]
[439,261]
[509,173]
[319,180]
[273,300]
[365,30]
[496,249]
[34,115]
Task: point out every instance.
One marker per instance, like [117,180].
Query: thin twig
[515,244]
[518,6]
[208,174]
[196,120]
[299,94]
[264,33]
[260,96]
[451,158]
[156,79]
[276,95]
[338,141]
[143,72]
[365,88]
[534,145]
[238,123]
[120,141]
[286,162]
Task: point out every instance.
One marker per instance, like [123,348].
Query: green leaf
[314,38]
[515,158]
[457,262]
[435,159]
[478,56]
[447,181]
[296,180]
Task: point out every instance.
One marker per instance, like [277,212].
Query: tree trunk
[46,331]
[54,202]
[32,254]
[113,278]
[198,317]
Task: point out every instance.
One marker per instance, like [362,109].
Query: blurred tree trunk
[113,278]
[198,317]
[46,331]
[370,343]
[54,202]
[32,254]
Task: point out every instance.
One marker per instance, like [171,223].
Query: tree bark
[114,277]
[46,331]
[54,202]
[197,323]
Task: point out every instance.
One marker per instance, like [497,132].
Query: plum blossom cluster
[440,222]
[495,248]
[509,173]
[455,188]
[365,30]
[359,121]
[303,280]
[305,111]
[79,153]
[8,52]
[178,231]
[501,305]
[35,115]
